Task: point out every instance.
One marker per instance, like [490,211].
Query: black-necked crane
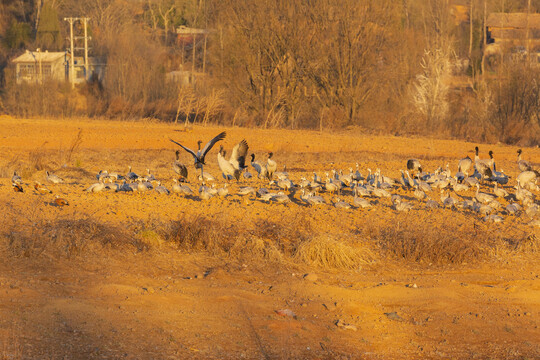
[236,163]
[271,166]
[180,168]
[523,164]
[200,155]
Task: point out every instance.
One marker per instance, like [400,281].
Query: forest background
[399,67]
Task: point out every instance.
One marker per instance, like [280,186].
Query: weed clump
[329,253]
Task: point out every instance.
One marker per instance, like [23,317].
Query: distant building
[514,34]
[38,66]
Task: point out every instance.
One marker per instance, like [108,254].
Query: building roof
[33,56]
[513,20]
[184,30]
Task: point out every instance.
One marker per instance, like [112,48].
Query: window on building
[46,70]
[27,69]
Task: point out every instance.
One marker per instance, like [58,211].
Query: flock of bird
[365,190]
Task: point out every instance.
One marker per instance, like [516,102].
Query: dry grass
[427,241]
[68,238]
[328,253]
[409,239]
[201,234]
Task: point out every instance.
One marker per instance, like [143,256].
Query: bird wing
[211,143]
[225,166]
[238,156]
[185,148]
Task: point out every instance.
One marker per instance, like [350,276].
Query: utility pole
[528,35]
[72,55]
[85,21]
[71,20]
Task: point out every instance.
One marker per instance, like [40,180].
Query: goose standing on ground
[200,154]
[271,166]
[234,166]
[54,178]
[180,168]
[522,164]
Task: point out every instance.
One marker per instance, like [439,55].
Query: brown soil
[160,301]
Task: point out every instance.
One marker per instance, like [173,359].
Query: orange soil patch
[165,303]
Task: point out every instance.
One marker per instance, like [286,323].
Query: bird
[360,202]
[54,178]
[483,197]
[149,176]
[312,199]
[17,187]
[206,176]
[414,164]
[97,187]
[271,166]
[522,164]
[131,175]
[493,218]
[160,189]
[180,168]
[41,189]
[400,205]
[236,163]
[483,166]
[125,187]
[526,177]
[184,189]
[258,167]
[176,188]
[246,190]
[102,175]
[341,204]
[419,194]
[500,192]
[16,178]
[281,198]
[204,194]
[58,201]
[200,155]
[464,165]
[432,204]
[224,191]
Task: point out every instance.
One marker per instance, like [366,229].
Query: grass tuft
[328,253]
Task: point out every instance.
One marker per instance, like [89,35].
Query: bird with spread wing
[201,153]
